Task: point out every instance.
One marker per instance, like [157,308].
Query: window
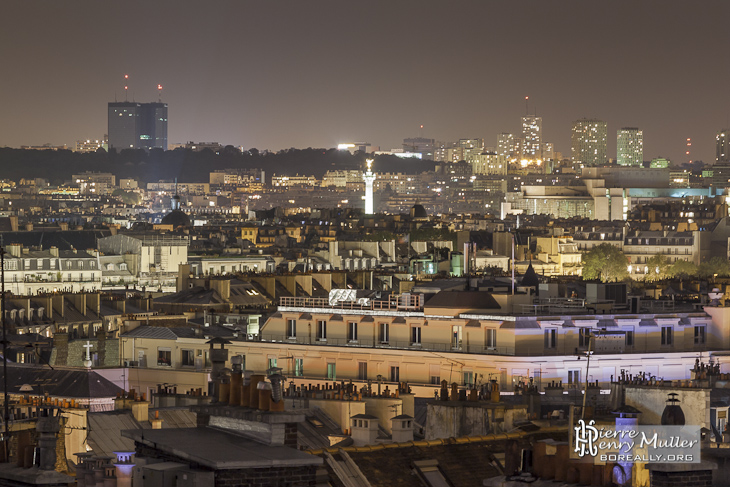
[291,328]
[468,378]
[362,370]
[298,367]
[584,337]
[331,372]
[164,357]
[490,339]
[321,330]
[187,359]
[416,335]
[629,337]
[574,376]
[700,335]
[395,373]
[383,333]
[551,338]
[666,335]
[272,362]
[455,336]
[352,331]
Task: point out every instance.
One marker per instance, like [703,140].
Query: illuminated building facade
[490,163]
[531,131]
[630,147]
[588,142]
[505,145]
[722,146]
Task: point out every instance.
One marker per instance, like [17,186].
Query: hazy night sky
[278,74]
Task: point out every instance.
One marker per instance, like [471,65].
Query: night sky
[277,74]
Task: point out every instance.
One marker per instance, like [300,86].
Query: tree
[682,269]
[605,262]
[715,267]
[658,268]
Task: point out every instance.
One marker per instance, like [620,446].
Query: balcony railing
[393,303]
[391,344]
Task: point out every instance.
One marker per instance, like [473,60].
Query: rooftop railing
[392,303]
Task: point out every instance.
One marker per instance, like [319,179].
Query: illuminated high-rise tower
[722,146]
[531,132]
[588,142]
[505,145]
[630,147]
[369,177]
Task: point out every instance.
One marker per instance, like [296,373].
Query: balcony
[390,344]
[392,303]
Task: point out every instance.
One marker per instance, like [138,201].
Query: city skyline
[292,75]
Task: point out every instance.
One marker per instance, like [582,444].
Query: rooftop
[220,450]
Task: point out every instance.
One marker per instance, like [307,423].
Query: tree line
[607,263]
[190,166]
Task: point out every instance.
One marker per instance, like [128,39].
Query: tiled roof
[76,383]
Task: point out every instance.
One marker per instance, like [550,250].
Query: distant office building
[153,133]
[216,147]
[88,145]
[630,147]
[660,163]
[531,133]
[722,146]
[94,182]
[353,147]
[489,163]
[505,145]
[471,148]
[588,142]
[137,125]
[44,147]
[548,150]
[420,145]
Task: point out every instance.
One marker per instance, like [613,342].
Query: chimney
[140,411]
[47,428]
[14,249]
[402,428]
[54,251]
[277,394]
[156,421]
[125,468]
[364,429]
[234,398]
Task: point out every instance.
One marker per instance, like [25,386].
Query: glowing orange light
[159,87]
[421,126]
[527,98]
[126,76]
[126,87]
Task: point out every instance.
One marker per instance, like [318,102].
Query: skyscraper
[505,145]
[630,147]
[588,142]
[137,125]
[531,128]
[722,146]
